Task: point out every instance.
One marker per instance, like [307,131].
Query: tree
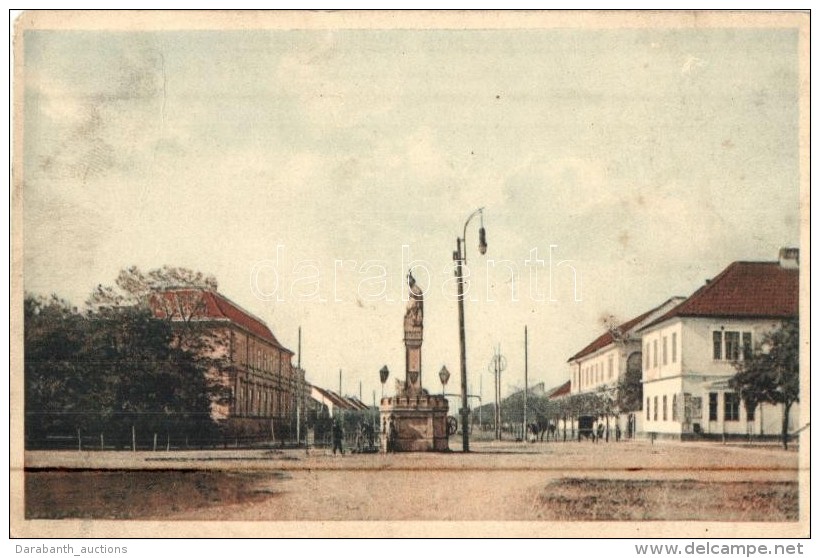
[181,309]
[118,366]
[629,391]
[772,374]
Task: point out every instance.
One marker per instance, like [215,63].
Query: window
[655,414]
[717,345]
[664,408]
[647,408]
[747,345]
[713,406]
[655,353]
[731,406]
[664,353]
[675,414]
[732,341]
[610,366]
[674,347]
[646,351]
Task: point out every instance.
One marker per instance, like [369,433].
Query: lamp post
[460,257]
[384,373]
[444,376]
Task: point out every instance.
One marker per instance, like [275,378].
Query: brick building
[267,392]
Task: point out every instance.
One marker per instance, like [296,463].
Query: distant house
[600,365]
[266,389]
[333,402]
[560,392]
[326,406]
[689,352]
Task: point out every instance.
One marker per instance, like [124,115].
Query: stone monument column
[413,336]
[414,420]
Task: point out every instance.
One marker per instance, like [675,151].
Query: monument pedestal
[419,423]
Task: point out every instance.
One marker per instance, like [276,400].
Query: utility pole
[340,382]
[497,408]
[497,365]
[526,388]
[498,392]
[481,401]
[300,386]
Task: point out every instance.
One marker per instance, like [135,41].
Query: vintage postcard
[410,274]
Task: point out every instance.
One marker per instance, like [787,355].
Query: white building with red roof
[602,363]
[266,389]
[689,352]
[598,367]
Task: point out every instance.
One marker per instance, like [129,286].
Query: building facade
[267,393]
[690,353]
[598,367]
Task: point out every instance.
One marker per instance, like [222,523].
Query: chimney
[789,258]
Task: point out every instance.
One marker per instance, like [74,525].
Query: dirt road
[497,481]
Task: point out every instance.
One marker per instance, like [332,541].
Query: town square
[339,269]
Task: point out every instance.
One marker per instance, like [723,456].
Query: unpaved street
[497,481]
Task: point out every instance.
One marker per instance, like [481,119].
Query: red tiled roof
[213,306]
[607,338]
[560,391]
[743,290]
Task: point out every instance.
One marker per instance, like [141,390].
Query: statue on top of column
[413,335]
[414,317]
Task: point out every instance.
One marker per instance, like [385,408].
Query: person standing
[391,436]
[337,437]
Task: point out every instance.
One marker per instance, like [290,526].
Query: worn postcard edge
[225,20]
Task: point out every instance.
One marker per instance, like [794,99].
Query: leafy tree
[772,375]
[629,391]
[118,366]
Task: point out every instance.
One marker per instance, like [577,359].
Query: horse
[542,427]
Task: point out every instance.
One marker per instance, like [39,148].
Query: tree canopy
[116,366]
[772,374]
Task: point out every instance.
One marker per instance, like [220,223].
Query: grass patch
[577,499]
[141,494]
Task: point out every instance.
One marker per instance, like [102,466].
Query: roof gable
[202,304]
[743,290]
[626,328]
[560,391]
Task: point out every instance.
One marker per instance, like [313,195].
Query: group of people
[365,437]
[603,431]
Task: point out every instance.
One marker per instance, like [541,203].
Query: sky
[308,169]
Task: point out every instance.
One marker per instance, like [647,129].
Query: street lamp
[460,257]
[444,376]
[384,373]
